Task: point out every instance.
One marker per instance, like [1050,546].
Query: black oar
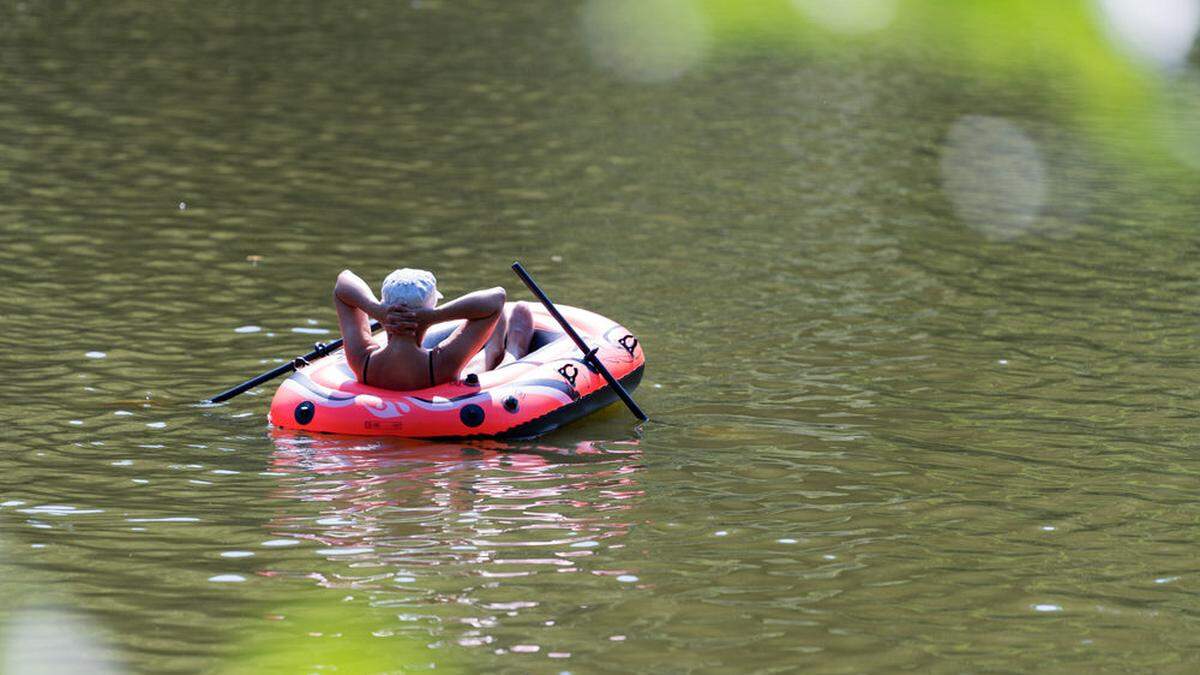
[589,355]
[319,349]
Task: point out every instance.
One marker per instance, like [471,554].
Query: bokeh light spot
[52,641]
[993,174]
[645,40]
[1176,121]
[1158,30]
[849,16]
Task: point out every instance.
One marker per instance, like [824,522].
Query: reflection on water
[436,531]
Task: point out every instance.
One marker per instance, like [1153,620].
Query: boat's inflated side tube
[546,389]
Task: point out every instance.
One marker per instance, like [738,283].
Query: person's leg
[508,342]
[520,333]
[493,350]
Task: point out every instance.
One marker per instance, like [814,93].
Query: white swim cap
[415,288]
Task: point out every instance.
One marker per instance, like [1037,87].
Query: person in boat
[492,333]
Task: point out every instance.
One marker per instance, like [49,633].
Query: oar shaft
[537,291]
[589,356]
[288,367]
[250,384]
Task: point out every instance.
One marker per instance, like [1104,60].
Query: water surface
[920,331]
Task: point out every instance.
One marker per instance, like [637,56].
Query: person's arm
[352,291]
[478,305]
[356,306]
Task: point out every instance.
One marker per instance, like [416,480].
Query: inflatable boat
[548,388]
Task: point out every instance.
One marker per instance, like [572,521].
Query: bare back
[398,369]
[402,363]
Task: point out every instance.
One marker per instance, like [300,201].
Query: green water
[920,332]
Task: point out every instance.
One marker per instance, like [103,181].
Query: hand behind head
[400,320]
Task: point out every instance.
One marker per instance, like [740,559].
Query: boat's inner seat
[541,338]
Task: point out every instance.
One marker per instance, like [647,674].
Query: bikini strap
[431,382]
[366,363]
